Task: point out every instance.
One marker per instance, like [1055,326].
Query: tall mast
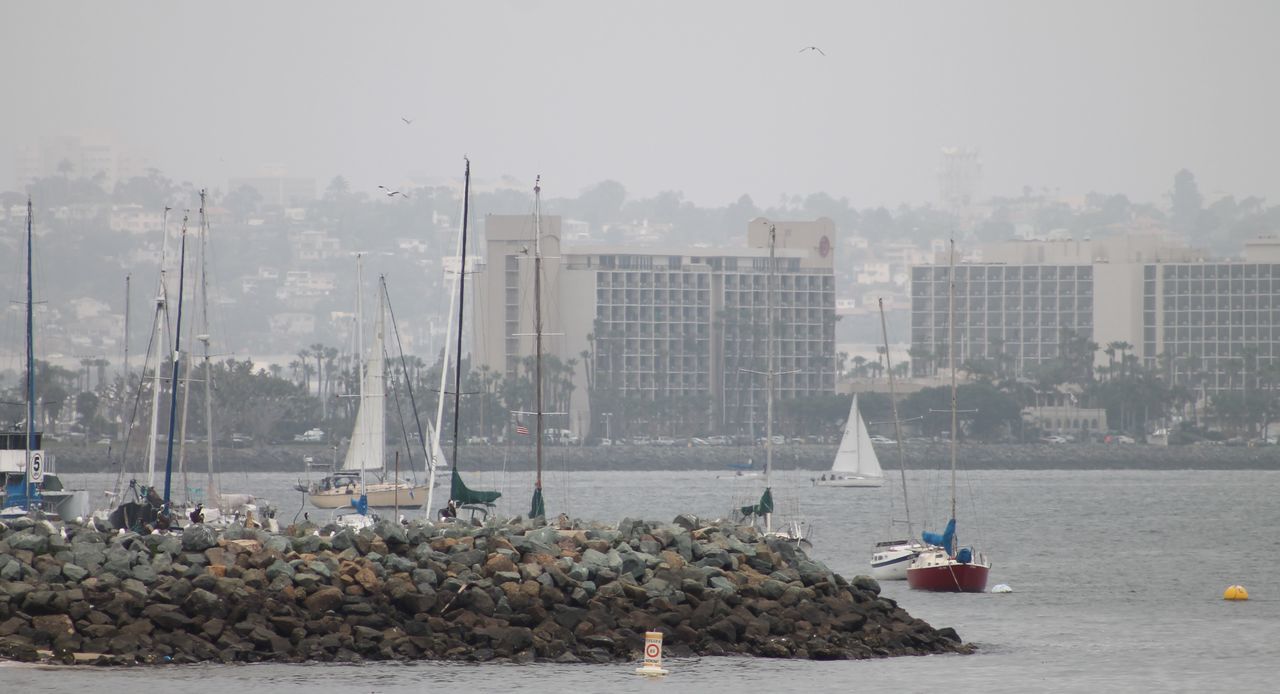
[462,303]
[897,423]
[360,343]
[177,362]
[28,491]
[444,361]
[768,377]
[951,360]
[124,389]
[211,491]
[160,324]
[537,325]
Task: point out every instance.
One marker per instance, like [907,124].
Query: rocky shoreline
[510,592]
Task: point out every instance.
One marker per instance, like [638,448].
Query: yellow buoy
[1235,593]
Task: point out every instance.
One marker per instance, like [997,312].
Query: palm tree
[304,356]
[1110,351]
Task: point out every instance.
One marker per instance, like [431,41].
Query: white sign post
[36,473]
[652,655]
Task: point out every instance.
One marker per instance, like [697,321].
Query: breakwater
[918,455]
[581,593]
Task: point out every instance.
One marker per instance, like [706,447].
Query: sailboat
[27,487]
[890,558]
[856,464]
[460,495]
[348,486]
[794,530]
[943,567]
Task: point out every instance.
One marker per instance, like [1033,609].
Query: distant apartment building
[77,157]
[665,323]
[1195,318]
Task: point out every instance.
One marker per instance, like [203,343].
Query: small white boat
[890,559]
[856,464]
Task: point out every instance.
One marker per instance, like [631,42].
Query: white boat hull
[834,481]
[889,562]
[380,495]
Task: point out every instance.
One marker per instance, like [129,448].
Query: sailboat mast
[462,304]
[31,362]
[211,492]
[124,388]
[160,323]
[951,360]
[768,378]
[444,360]
[360,345]
[897,423]
[537,319]
[177,362]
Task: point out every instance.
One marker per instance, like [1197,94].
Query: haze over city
[711,99]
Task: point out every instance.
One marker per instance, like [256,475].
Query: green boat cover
[459,492]
[537,509]
[760,509]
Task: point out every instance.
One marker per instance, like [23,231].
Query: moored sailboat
[348,486]
[891,558]
[943,567]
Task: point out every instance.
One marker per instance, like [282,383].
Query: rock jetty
[514,592]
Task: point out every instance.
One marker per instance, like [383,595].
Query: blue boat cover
[965,555]
[945,539]
[361,504]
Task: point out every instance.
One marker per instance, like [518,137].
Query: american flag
[522,430]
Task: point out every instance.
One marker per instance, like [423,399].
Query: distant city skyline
[713,99]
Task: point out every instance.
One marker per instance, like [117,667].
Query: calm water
[1118,577]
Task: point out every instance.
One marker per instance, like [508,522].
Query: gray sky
[709,98]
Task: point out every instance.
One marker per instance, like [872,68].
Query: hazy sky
[710,98]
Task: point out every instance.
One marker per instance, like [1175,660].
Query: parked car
[882,440]
[718,440]
[1054,439]
[308,436]
[606,442]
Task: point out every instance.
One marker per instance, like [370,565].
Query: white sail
[856,455]
[367,450]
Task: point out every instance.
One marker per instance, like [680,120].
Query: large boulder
[198,538]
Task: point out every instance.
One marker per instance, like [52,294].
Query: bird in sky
[391,193]
[811,48]
[407,121]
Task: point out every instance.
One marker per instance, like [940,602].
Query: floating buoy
[1001,588]
[1235,593]
[652,655]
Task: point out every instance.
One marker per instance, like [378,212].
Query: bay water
[1117,579]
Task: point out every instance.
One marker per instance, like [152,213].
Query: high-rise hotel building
[1177,310]
[665,324]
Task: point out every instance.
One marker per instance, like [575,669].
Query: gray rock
[144,574]
[279,569]
[277,543]
[687,521]
[199,537]
[722,585]
[866,583]
[30,541]
[74,572]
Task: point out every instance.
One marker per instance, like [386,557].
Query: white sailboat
[344,487]
[856,464]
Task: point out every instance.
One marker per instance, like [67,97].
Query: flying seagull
[811,48]
[391,193]
[407,121]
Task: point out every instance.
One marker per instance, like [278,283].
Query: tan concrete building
[1192,316]
[680,328]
